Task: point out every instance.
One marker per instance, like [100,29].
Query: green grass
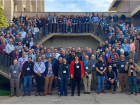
[5,93]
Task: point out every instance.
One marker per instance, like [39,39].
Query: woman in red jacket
[77,72]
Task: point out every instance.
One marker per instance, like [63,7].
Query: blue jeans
[26,79]
[133,80]
[108,85]
[64,82]
[101,80]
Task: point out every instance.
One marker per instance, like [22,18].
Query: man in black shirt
[100,68]
[27,72]
[123,75]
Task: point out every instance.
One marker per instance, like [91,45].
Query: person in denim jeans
[132,68]
[64,75]
[27,72]
[100,68]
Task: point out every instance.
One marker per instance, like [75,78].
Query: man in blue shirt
[126,48]
[74,22]
[115,18]
[86,18]
[49,19]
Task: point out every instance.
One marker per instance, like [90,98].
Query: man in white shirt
[23,33]
[9,47]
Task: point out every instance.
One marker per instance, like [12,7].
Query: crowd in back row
[17,41]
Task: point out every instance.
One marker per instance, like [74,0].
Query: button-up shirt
[9,48]
[39,68]
[23,34]
[22,60]
[126,47]
[33,57]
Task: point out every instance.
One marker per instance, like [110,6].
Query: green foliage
[3,21]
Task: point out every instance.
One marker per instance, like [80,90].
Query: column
[8,10]
[39,5]
[28,6]
[43,5]
[20,6]
[34,5]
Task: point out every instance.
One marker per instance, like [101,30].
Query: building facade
[11,6]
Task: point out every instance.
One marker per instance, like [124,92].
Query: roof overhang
[114,5]
[136,12]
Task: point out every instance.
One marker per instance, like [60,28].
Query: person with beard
[71,57]
[111,79]
[82,58]
[132,69]
[101,48]
[100,68]
[26,40]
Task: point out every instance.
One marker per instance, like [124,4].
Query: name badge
[66,66]
[101,68]
[14,71]
[64,71]
[114,64]
[93,66]
[28,68]
[86,19]
[100,49]
[77,66]
[86,67]
[17,56]
[109,78]
[122,65]
[19,50]
[39,69]
[3,49]
[26,41]
[131,70]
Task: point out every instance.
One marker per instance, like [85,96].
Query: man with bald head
[9,47]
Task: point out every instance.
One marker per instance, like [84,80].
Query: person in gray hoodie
[87,75]
[93,62]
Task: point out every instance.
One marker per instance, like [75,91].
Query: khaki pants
[123,77]
[136,56]
[87,83]
[132,55]
[14,82]
[48,81]
[93,80]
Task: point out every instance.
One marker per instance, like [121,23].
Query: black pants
[39,82]
[74,81]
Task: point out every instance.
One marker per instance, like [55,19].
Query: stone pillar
[43,5]
[39,5]
[34,5]
[28,6]
[8,10]
[20,6]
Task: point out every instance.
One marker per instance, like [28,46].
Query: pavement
[93,98]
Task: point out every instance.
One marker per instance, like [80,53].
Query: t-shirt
[77,69]
[101,66]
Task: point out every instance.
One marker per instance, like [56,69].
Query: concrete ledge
[135,11]
[69,34]
[4,74]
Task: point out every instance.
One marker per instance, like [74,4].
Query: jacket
[72,69]
[46,71]
[87,67]
[110,57]
[136,45]
[2,49]
[61,70]
[129,69]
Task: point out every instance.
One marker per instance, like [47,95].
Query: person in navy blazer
[49,76]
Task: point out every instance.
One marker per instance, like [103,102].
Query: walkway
[118,98]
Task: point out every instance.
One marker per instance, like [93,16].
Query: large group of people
[56,67]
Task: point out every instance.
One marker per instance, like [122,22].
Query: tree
[3,21]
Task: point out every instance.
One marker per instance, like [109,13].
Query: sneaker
[29,94]
[41,94]
[37,94]
[78,94]
[11,95]
[135,93]
[120,92]
[88,92]
[85,92]
[58,93]
[98,92]
[126,92]
[113,92]
[72,95]
[130,93]
[103,92]
[24,94]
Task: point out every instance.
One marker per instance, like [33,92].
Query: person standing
[111,79]
[87,75]
[14,74]
[132,69]
[126,48]
[136,49]
[9,48]
[100,68]
[77,72]
[123,75]
[27,73]
[93,62]
[49,76]
[39,69]
[64,76]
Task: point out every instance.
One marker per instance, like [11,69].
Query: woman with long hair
[77,72]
